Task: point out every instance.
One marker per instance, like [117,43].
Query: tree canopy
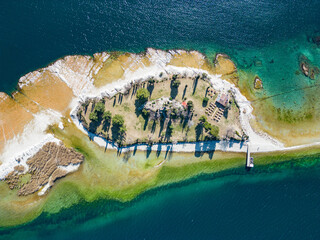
[143,94]
[203,119]
[99,108]
[190,105]
[107,116]
[117,120]
[176,83]
[93,116]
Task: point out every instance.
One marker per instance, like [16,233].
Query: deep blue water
[35,33]
[283,206]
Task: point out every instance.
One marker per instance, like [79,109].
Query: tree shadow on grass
[148,152]
[199,131]
[174,91]
[150,88]
[158,150]
[184,91]
[195,84]
[138,107]
[146,121]
[154,125]
[93,126]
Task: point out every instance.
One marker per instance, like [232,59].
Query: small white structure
[249,159]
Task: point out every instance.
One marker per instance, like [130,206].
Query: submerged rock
[257,83]
[307,68]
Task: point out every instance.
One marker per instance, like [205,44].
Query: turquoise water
[258,206]
[39,32]
[267,203]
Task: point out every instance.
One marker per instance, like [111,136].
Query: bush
[176,83]
[190,105]
[214,132]
[174,77]
[93,116]
[203,119]
[117,121]
[205,100]
[151,80]
[99,108]
[145,113]
[122,130]
[143,94]
[207,126]
[107,116]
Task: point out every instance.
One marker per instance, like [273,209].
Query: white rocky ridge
[25,145]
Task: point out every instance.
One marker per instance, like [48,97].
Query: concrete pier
[249,159]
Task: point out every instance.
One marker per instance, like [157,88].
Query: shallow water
[280,204]
[38,32]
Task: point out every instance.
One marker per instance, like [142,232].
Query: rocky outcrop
[257,83]
[307,68]
[52,162]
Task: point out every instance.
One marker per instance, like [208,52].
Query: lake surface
[263,206]
[279,205]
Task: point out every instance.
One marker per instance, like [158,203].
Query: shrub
[93,116]
[205,100]
[176,83]
[203,119]
[214,132]
[207,126]
[122,130]
[99,108]
[151,80]
[204,75]
[117,121]
[107,116]
[190,105]
[145,113]
[143,94]
[174,77]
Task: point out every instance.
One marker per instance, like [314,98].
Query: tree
[117,121]
[190,105]
[145,113]
[107,116]
[99,108]
[143,94]
[176,83]
[205,100]
[122,130]
[174,77]
[203,119]
[214,132]
[207,126]
[93,116]
[151,80]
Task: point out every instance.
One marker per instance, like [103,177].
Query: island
[116,124]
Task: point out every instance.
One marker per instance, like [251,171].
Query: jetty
[249,159]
